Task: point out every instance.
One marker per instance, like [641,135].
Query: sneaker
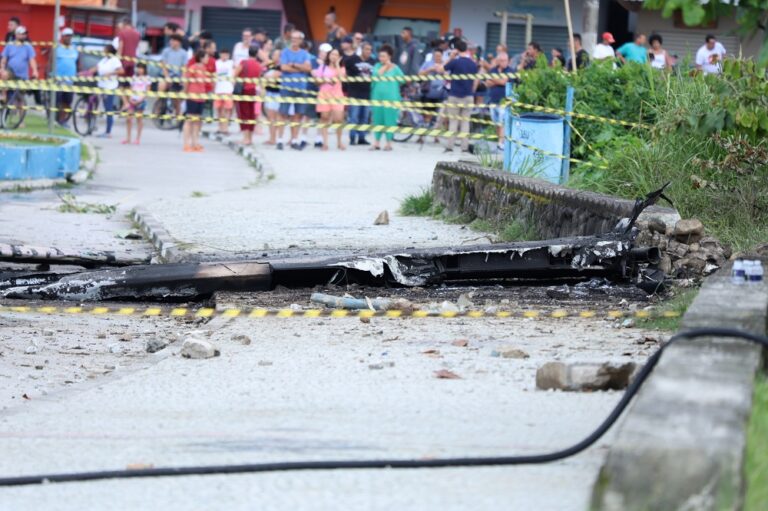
[363,141]
[279,146]
[318,145]
[303,144]
[296,146]
[448,150]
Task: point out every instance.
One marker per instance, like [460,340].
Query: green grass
[506,231]
[756,468]
[38,125]
[420,204]
[197,194]
[677,305]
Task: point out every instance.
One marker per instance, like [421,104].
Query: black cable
[397,463]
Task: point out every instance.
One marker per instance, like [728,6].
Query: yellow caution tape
[258,313]
[590,117]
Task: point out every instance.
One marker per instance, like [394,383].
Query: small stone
[265,363]
[584,376]
[39,367]
[295,307]
[689,230]
[116,349]
[628,323]
[665,264]
[461,343]
[447,306]
[155,345]
[101,335]
[402,304]
[242,339]
[110,367]
[365,320]
[375,366]
[509,352]
[382,219]
[198,348]
[31,349]
[445,374]
[47,332]
[125,337]
[657,225]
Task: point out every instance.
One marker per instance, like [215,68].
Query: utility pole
[52,58]
[570,33]
[134,13]
[590,12]
[506,16]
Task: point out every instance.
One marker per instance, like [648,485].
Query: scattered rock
[125,337]
[509,352]
[431,353]
[402,304]
[464,302]
[295,307]
[47,332]
[155,345]
[375,366]
[447,306]
[101,335]
[382,219]
[365,320]
[31,349]
[656,225]
[116,349]
[198,348]
[265,363]
[461,343]
[445,374]
[689,230]
[628,323]
[242,339]
[584,376]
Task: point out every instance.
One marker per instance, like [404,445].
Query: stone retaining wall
[681,443]
[551,211]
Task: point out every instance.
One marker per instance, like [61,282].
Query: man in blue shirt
[295,62]
[461,94]
[17,59]
[634,52]
[66,69]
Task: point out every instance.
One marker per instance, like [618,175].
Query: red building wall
[37,18]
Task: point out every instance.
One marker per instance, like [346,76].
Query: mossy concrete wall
[550,210]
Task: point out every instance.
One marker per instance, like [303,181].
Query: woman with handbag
[246,113]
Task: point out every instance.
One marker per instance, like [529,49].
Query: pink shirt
[331,89]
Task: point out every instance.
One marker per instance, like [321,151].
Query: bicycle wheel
[161,108]
[14,111]
[83,119]
[406,120]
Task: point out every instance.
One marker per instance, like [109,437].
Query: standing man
[335,33]
[361,66]
[66,69]
[357,42]
[240,52]
[127,43]
[172,61]
[284,41]
[497,91]
[410,57]
[710,56]
[295,62]
[13,24]
[635,51]
[530,56]
[603,49]
[582,57]
[17,59]
[461,94]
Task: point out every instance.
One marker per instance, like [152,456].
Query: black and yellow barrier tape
[589,117]
[317,124]
[258,313]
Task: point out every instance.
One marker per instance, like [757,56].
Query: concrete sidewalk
[314,201]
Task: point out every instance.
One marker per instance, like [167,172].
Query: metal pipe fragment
[341,302]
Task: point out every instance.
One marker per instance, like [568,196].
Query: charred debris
[612,256]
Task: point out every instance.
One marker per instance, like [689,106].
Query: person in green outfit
[385,91]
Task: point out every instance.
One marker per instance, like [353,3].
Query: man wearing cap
[18,59]
[604,50]
[66,69]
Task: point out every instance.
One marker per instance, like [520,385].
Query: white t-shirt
[225,70]
[240,53]
[603,51]
[139,87]
[710,60]
[108,65]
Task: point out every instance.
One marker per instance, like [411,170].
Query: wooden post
[570,33]
[52,59]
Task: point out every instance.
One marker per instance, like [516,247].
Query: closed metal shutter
[227,24]
[548,37]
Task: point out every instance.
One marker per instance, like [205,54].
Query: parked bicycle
[13,109]
[164,112]
[88,116]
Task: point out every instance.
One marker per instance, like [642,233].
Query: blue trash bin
[542,131]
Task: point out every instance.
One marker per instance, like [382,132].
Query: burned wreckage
[612,256]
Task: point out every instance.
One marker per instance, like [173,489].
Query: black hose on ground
[397,463]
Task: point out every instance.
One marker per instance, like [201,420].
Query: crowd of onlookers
[289,99]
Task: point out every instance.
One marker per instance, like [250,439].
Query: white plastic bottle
[738,275]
